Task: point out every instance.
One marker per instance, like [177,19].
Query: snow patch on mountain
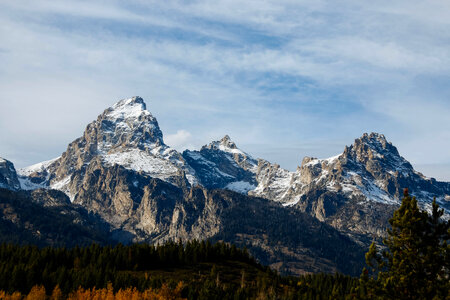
[242,187]
[227,149]
[36,168]
[139,160]
[131,108]
[273,182]
[373,193]
[28,185]
[320,161]
[63,186]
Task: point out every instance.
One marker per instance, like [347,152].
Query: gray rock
[8,175]
[121,170]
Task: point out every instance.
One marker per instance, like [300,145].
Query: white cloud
[180,140]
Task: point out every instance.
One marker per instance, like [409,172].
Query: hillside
[197,270]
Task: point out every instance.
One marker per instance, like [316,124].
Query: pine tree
[415,263]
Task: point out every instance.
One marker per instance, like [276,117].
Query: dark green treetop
[415,260]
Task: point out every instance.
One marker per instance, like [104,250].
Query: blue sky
[285,79]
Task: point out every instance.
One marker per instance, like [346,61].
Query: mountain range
[119,182]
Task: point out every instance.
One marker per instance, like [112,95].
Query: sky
[285,79]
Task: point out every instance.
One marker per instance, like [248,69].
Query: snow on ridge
[278,182]
[63,186]
[228,146]
[127,110]
[158,166]
[374,193]
[230,150]
[242,187]
[26,184]
[2,160]
[332,159]
[39,167]
[58,185]
[321,160]
[139,160]
[198,157]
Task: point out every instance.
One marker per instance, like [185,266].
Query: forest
[194,270]
[412,263]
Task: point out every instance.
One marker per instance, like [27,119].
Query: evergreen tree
[415,262]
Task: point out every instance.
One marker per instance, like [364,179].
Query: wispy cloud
[180,140]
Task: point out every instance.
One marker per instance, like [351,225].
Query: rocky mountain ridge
[371,168]
[121,169]
[138,208]
[125,134]
[356,191]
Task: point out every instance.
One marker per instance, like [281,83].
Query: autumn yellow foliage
[39,293]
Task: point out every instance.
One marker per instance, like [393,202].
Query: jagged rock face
[286,239]
[121,170]
[147,208]
[358,190]
[320,188]
[50,198]
[274,182]
[391,172]
[125,134]
[373,168]
[8,175]
[151,210]
[222,165]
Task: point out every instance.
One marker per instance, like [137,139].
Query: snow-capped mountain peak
[221,164]
[225,144]
[371,167]
[373,146]
[123,147]
[125,134]
[130,108]
[377,155]
[127,124]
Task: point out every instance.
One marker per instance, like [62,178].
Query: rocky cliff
[121,170]
[8,175]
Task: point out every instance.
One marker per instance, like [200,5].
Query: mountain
[356,191]
[8,175]
[371,168]
[121,170]
[318,218]
[222,165]
[125,134]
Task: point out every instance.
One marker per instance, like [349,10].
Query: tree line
[22,267]
[413,263]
